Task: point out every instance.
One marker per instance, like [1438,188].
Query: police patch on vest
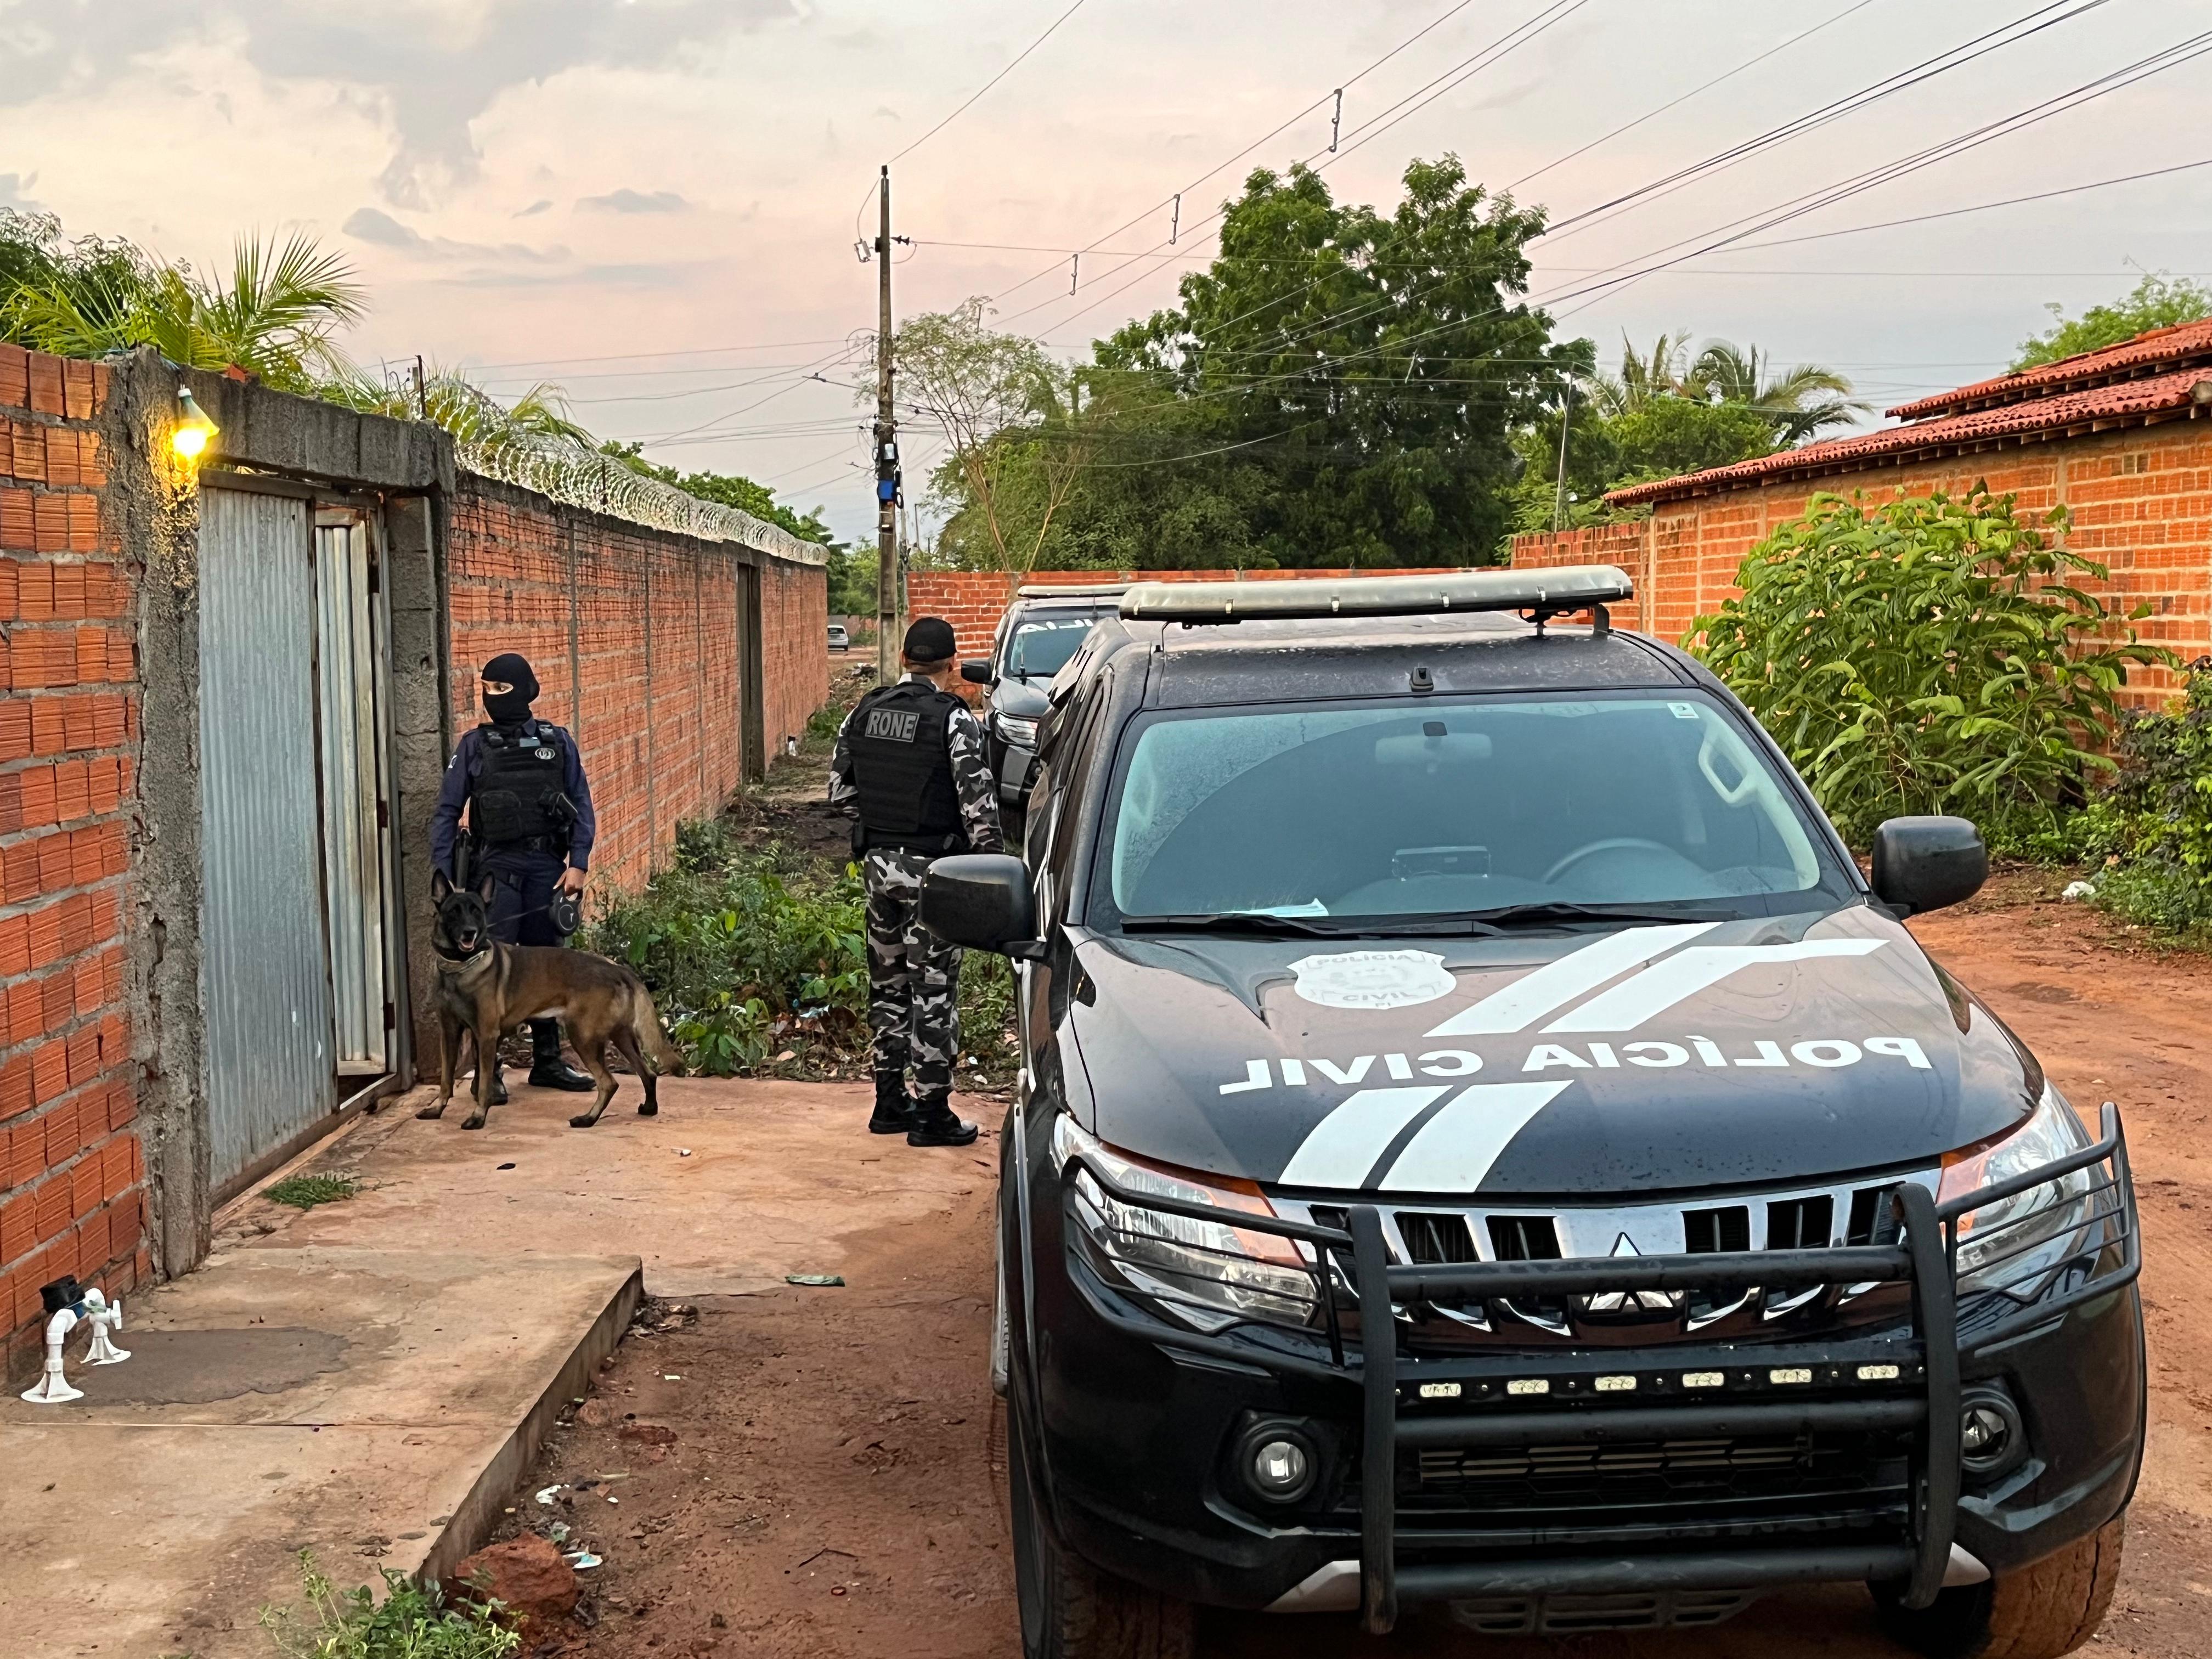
[897,725]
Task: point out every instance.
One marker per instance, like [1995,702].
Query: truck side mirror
[982,900]
[975,673]
[1926,863]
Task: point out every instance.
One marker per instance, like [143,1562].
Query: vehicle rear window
[1435,808]
[1041,649]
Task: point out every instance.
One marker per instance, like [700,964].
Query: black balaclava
[513,708]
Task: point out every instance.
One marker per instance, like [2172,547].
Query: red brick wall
[2141,501]
[794,647]
[973,600]
[72,1175]
[654,697]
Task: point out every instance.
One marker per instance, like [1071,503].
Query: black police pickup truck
[1483,1143]
[1036,636]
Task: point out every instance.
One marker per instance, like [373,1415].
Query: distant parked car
[839,640]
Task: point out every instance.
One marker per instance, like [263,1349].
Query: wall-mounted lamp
[193,431]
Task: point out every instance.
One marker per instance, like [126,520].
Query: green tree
[1338,387]
[2157,301]
[278,316]
[1927,654]
[1010,415]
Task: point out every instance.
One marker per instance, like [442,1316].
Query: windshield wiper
[1555,910]
[1232,921]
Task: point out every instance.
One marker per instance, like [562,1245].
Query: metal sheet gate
[296,932]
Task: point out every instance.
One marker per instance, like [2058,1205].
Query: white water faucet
[89,1308]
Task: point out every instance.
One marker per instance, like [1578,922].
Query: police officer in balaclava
[910,761]
[530,825]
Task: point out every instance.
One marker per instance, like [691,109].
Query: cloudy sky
[653,203]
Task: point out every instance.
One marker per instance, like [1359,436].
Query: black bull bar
[1924,1259]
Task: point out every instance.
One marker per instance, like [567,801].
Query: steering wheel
[1615,844]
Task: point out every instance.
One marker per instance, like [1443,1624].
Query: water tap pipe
[93,1309]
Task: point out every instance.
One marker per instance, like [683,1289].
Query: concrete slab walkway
[369,1378]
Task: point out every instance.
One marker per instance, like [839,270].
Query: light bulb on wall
[192,432]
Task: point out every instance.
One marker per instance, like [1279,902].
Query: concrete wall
[637,637]
[2141,500]
[72,1170]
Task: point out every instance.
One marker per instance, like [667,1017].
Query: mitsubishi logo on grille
[1623,1301]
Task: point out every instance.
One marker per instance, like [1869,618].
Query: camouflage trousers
[913,976]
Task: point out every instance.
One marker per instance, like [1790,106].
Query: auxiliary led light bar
[1548,592]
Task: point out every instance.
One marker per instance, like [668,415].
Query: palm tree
[1800,403]
[275,318]
[450,399]
[1642,378]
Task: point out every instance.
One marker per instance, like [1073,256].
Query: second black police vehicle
[1036,636]
[1482,1143]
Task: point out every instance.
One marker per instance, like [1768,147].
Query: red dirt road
[835,1486]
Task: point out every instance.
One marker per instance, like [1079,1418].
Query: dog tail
[667,1060]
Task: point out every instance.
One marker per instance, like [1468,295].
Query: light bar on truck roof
[1071,591]
[1549,593]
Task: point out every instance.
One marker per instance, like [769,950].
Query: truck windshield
[1435,809]
[1040,649]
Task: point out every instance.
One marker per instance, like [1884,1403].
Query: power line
[1748,63]
[1980,207]
[1464,70]
[1352,81]
[992,81]
[1967,52]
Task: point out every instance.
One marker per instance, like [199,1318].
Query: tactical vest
[904,771]
[520,793]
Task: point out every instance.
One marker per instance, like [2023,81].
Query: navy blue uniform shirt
[460,779]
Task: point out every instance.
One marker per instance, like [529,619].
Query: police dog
[484,987]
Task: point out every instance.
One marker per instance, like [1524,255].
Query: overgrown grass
[757,952]
[304,1191]
[742,950]
[413,1621]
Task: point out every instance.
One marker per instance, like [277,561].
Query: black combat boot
[894,1113]
[935,1125]
[547,1069]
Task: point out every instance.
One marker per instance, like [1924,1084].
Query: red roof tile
[2129,359]
[2126,402]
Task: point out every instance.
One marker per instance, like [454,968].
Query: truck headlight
[1207,1273]
[2015,1245]
[1015,729]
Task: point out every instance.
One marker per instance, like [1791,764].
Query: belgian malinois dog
[484,987]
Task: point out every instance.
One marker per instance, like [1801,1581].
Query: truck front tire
[2045,1609]
[1069,1609]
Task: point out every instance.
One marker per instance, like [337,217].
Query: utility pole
[1559,497]
[887,467]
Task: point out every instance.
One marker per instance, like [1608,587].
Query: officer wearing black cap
[911,762]
[531,825]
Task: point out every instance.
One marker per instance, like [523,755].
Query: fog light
[1280,1469]
[1991,1437]
[1278,1461]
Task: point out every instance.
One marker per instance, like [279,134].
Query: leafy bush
[1927,655]
[2151,830]
[728,944]
[413,1621]
[2162,799]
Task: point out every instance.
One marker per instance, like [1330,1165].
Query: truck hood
[1024,698]
[1772,1051]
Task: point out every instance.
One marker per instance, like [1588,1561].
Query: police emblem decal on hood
[1373,979]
